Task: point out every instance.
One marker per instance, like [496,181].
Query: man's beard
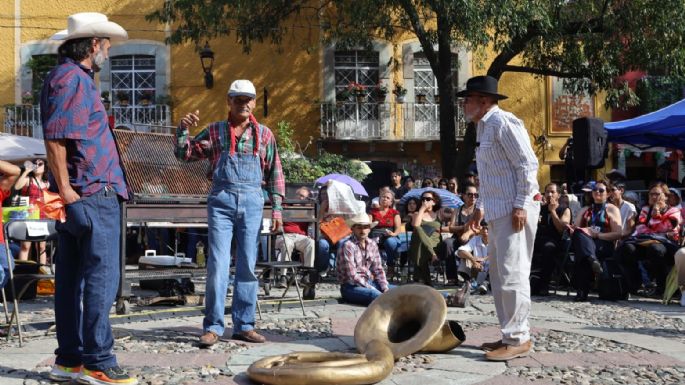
[99,60]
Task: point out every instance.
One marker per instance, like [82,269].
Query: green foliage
[298,168]
[40,66]
[656,92]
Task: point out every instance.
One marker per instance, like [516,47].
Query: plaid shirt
[71,110]
[214,139]
[359,267]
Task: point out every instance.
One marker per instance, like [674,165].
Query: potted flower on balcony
[400,93]
[420,98]
[123,98]
[27,98]
[436,98]
[379,92]
[358,90]
[342,96]
[146,98]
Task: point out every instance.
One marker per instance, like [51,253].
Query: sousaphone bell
[402,321]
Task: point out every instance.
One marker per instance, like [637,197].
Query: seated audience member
[473,260]
[679,259]
[442,183]
[388,226]
[8,174]
[295,238]
[460,231]
[596,228]
[396,184]
[427,182]
[627,209]
[549,248]
[411,207]
[453,186]
[325,256]
[425,237]
[408,183]
[654,242]
[359,268]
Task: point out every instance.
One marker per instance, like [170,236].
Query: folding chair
[24,231]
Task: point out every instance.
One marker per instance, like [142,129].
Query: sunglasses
[426,199]
[599,190]
[473,195]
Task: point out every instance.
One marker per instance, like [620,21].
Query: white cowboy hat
[90,24]
[360,219]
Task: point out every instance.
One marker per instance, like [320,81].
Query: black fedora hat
[481,84]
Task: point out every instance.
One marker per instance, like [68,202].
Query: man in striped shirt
[243,155]
[509,198]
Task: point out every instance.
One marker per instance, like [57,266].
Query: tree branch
[542,71]
[420,32]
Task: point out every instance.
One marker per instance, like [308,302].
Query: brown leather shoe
[208,339]
[490,346]
[249,336]
[508,352]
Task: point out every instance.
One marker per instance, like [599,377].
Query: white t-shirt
[627,211]
[476,247]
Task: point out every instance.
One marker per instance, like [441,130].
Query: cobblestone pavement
[628,342]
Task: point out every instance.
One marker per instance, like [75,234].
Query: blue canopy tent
[662,128]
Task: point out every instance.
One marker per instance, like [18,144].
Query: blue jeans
[4,267]
[391,246]
[87,269]
[232,214]
[361,295]
[325,255]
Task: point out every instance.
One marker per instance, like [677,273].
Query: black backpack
[612,285]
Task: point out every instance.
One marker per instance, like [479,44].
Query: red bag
[52,206]
[335,229]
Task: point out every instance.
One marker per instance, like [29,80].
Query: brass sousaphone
[403,321]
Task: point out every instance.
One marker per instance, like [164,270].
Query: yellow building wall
[292,75]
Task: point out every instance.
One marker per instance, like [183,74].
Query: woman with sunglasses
[426,236]
[461,233]
[595,231]
[31,184]
[654,241]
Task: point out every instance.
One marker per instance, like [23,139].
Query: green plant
[40,66]
[123,95]
[27,98]
[656,92]
[399,90]
[343,95]
[104,95]
[356,88]
[298,168]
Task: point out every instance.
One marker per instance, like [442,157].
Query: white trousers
[299,242]
[511,254]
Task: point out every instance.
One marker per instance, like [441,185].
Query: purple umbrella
[357,187]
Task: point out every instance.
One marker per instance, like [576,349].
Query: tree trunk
[448,132]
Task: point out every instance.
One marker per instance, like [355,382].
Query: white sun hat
[360,219]
[90,24]
[242,87]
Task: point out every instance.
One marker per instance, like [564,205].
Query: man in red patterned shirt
[359,267]
[243,156]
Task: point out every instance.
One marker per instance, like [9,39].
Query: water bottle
[200,254]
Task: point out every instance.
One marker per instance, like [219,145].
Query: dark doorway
[379,178]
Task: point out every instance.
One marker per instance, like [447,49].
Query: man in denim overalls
[242,153]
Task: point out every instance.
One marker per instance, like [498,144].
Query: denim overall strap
[234,209]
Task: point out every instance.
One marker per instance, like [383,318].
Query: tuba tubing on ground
[403,321]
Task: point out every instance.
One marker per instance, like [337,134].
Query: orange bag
[335,229]
[52,206]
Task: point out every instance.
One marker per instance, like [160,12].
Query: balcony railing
[25,119]
[385,121]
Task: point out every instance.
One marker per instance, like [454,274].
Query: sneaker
[115,375]
[64,373]
[597,267]
[282,282]
[482,288]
